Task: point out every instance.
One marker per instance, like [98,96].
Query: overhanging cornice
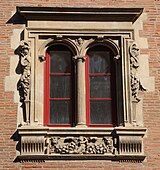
[80,14]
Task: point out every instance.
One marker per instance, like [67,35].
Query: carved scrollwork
[134,64]
[81,145]
[24,82]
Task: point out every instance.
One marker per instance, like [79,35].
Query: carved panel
[81,145]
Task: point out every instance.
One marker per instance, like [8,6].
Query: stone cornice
[80,14]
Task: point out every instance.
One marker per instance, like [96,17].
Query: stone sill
[40,143]
[61,130]
[43,158]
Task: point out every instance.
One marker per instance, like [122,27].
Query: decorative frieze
[113,144]
[136,84]
[81,145]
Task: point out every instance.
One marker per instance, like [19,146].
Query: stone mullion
[80,91]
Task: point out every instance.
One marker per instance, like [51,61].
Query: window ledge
[116,144]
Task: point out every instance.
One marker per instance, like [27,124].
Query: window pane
[60,61]
[100,112]
[60,87]
[60,112]
[100,86]
[99,62]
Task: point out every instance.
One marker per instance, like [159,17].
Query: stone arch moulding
[58,40]
[112,27]
[102,41]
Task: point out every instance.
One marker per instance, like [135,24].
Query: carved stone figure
[134,64]
[24,82]
[79,41]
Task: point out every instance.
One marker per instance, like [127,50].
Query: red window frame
[88,99]
[47,98]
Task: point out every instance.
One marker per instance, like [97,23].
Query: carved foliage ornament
[81,145]
[134,64]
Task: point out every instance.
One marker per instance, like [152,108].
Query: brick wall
[151,101]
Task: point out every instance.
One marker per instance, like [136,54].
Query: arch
[49,42]
[104,42]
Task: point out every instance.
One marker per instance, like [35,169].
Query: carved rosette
[134,65]
[81,145]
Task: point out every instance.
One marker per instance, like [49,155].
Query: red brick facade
[151,100]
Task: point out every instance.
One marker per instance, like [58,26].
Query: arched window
[59,91]
[100,86]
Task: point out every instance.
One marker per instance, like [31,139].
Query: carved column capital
[76,58]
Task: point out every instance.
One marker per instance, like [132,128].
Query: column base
[81,125]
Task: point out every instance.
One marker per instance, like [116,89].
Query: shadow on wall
[17,19]
[16,137]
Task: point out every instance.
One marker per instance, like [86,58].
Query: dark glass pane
[60,87]
[101,112]
[60,61]
[99,62]
[100,86]
[60,112]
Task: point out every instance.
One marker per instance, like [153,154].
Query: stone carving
[24,82]
[117,57]
[76,58]
[81,145]
[42,58]
[79,42]
[134,64]
[130,145]
[31,145]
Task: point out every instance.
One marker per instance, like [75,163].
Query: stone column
[80,91]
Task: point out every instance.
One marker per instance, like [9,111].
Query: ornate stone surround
[75,28]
